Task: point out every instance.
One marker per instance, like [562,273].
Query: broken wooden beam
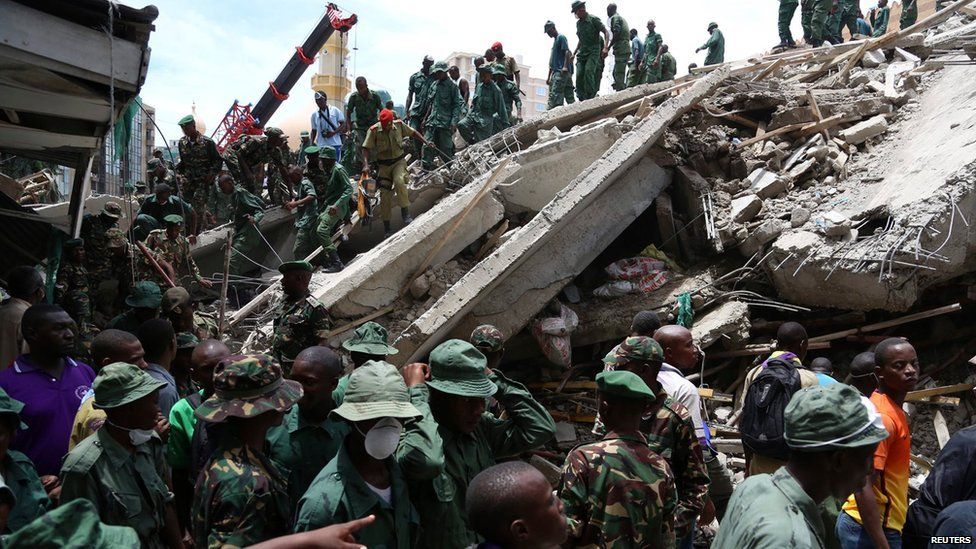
[914,396]
[754,350]
[888,323]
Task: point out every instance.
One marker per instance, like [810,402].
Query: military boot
[387,230]
[333,264]
[405,214]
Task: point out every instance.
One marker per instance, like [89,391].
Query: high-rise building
[332,75]
[110,173]
[535,92]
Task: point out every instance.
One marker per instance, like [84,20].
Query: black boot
[333,264]
[405,214]
[791,43]
[387,230]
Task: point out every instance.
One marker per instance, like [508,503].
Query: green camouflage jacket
[298,324]
[72,292]
[619,493]
[240,499]
[199,159]
[98,260]
[176,252]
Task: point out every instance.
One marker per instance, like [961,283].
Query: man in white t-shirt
[328,124]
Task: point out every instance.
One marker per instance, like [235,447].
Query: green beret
[173,219]
[186,120]
[312,149]
[289,266]
[328,153]
[623,384]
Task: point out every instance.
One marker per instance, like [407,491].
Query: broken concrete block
[865,130]
[799,217]
[766,184]
[801,169]
[765,233]
[419,287]
[836,224]
[818,153]
[745,208]
[860,78]
[873,58]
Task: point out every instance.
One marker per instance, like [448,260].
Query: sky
[211,53]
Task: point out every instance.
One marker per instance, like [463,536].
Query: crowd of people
[823,21]
[164,437]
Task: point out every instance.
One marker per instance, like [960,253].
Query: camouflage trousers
[195,192]
[561,90]
[245,241]
[234,167]
[392,179]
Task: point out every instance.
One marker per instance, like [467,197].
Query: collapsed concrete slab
[435,324]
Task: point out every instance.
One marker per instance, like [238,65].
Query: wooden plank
[822,126]
[753,350]
[576,418]
[727,445]
[363,320]
[913,396]
[492,241]
[949,402]
[888,323]
[766,135]
[941,429]
[572,385]
[769,70]
[815,108]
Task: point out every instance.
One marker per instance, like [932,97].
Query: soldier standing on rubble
[510,95]
[416,92]
[668,64]
[715,45]
[487,113]
[249,153]
[818,12]
[384,143]
[560,80]
[620,40]
[909,14]
[849,11]
[174,248]
[786,10]
[305,221]
[333,204]
[590,51]
[199,163]
[649,65]
[248,211]
[442,103]
[366,104]
[300,320]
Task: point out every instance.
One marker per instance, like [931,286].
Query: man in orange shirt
[875,514]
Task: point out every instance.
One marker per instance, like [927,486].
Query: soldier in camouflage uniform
[248,212]
[366,104]
[442,106]
[305,222]
[177,307]
[241,498]
[619,492]
[510,95]
[174,248]
[199,163]
[381,402]
[668,428]
[158,172]
[487,114]
[491,342]
[246,156]
[122,468]
[332,190]
[94,229]
[300,320]
[72,292]
[416,95]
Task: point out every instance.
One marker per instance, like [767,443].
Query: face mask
[137,437]
[382,439]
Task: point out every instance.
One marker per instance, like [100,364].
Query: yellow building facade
[331,76]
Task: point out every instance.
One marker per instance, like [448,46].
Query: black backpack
[763,409]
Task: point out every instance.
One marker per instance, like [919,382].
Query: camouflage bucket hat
[175,298]
[11,407]
[487,338]
[73,525]
[376,389]
[327,153]
[638,348]
[112,209]
[819,419]
[458,368]
[144,295]
[370,338]
[246,386]
[116,238]
[120,383]
[273,131]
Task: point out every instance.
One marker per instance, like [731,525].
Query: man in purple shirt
[49,383]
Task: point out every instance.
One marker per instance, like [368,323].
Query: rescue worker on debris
[363,107]
[510,95]
[618,490]
[415,107]
[248,212]
[459,383]
[246,158]
[384,144]
[487,113]
[715,45]
[560,80]
[305,222]
[333,204]
[300,320]
[832,433]
[620,40]
[391,437]
[174,248]
[590,51]
[442,106]
[650,64]
[199,163]
[241,497]
[157,206]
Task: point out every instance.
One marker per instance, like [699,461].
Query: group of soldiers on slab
[824,20]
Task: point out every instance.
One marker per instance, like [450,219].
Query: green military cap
[73,525]
[376,389]
[144,295]
[112,209]
[174,298]
[327,152]
[186,340]
[188,119]
[624,384]
[173,219]
[834,417]
[639,349]
[498,70]
[312,149]
[116,238]
[153,163]
[458,368]
[712,26]
[120,383]
[289,266]
[577,5]
[303,133]
[547,25]
[487,67]
[370,338]
[11,407]
[74,243]
[487,338]
[273,131]
[246,386]
[440,66]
